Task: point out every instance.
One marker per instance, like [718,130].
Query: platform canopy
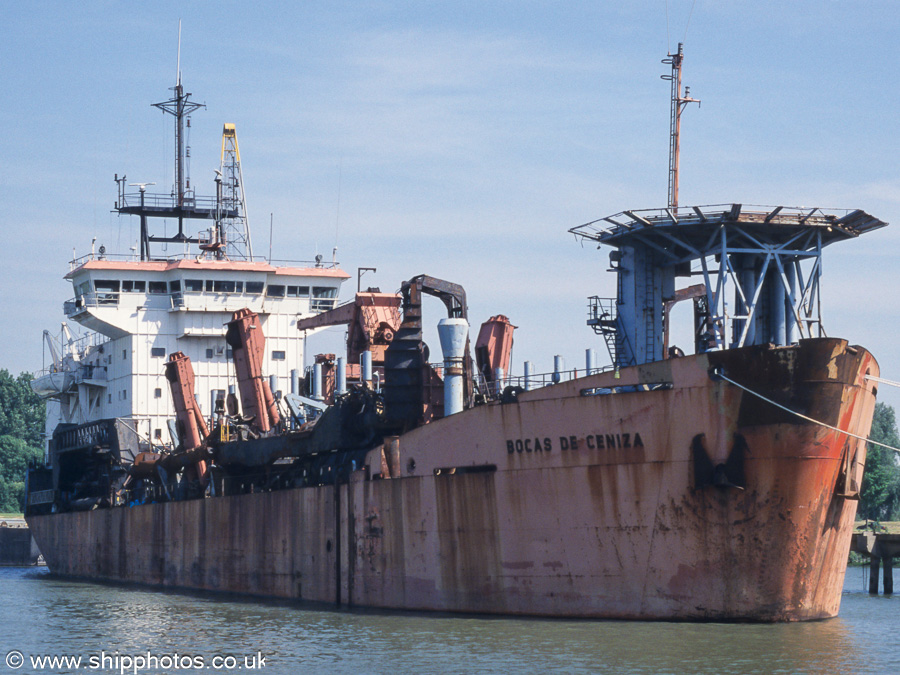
[695,230]
[760,265]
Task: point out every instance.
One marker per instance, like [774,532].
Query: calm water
[42,615]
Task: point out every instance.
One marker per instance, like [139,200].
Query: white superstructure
[139,309]
[139,312]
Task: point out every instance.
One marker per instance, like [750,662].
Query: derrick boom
[246,339]
[372,319]
[192,429]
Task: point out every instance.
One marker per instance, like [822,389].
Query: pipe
[589,360]
[559,365]
[340,377]
[777,304]
[790,324]
[317,382]
[366,360]
[529,373]
[295,381]
[273,384]
[453,334]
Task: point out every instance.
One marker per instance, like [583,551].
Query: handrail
[75,263]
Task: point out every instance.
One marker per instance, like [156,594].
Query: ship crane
[232,225]
[372,318]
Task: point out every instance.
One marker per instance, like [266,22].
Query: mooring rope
[882,380]
[721,375]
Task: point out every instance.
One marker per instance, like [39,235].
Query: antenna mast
[679,102]
[179,106]
[182,203]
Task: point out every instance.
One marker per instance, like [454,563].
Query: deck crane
[230,239]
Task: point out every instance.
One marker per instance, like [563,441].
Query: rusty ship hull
[658,492]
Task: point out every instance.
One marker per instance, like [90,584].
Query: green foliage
[880,493]
[22,414]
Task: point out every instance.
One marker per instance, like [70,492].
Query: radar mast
[679,103]
[229,237]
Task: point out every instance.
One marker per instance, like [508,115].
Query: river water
[116,629]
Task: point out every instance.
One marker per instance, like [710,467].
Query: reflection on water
[44,615]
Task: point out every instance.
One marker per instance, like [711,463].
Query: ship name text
[618,441]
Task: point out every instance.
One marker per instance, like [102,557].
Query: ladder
[603,318]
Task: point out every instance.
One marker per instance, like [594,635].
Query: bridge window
[298,291]
[254,287]
[323,298]
[107,291]
[158,287]
[223,286]
[275,291]
[129,286]
[157,351]
[278,356]
[193,285]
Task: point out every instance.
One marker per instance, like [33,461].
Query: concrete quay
[17,546]
[881,547]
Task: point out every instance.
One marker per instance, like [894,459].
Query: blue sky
[459,139]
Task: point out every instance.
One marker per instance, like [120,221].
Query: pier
[881,544]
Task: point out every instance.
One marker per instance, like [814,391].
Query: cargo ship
[713,481]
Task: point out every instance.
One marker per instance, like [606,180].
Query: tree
[22,414]
[15,454]
[880,493]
